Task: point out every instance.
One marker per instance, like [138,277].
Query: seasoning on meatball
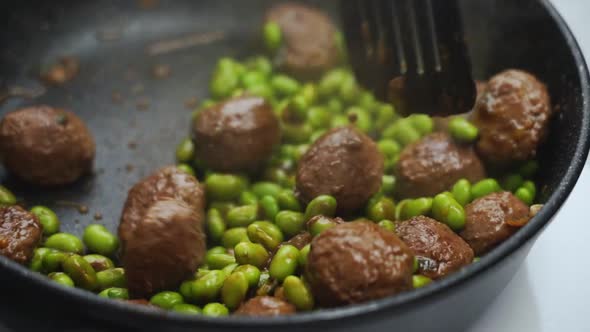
[161,231]
[20,233]
[488,219]
[512,115]
[344,163]
[433,164]
[45,145]
[265,306]
[236,135]
[381,264]
[439,250]
[309,40]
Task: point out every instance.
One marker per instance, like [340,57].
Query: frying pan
[118,43]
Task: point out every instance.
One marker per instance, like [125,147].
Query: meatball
[488,219]
[237,135]
[309,40]
[434,164]
[381,264]
[439,250]
[45,145]
[161,231]
[512,115]
[20,233]
[344,163]
[265,306]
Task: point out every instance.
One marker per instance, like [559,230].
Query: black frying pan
[523,34]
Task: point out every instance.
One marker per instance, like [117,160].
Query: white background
[551,292]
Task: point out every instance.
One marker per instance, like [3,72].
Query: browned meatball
[381,264]
[45,145]
[237,135]
[512,116]
[20,233]
[487,220]
[309,39]
[439,250]
[434,164]
[344,163]
[161,231]
[265,306]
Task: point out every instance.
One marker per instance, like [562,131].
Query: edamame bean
[284,85]
[269,207]
[228,269]
[318,117]
[322,205]
[530,185]
[185,308]
[484,187]
[284,263]
[389,148]
[248,198]
[447,210]
[215,309]
[224,187]
[339,121]
[387,224]
[303,253]
[186,168]
[262,90]
[52,261]
[252,78]
[416,207]
[524,195]
[251,272]
[219,261]
[366,100]
[331,82]
[387,185]
[300,150]
[185,151]
[222,207]
[207,288]
[115,293]
[385,116]
[99,262]
[36,263]
[362,119]
[288,201]
[166,300]
[277,175]
[402,131]
[262,189]
[422,123]
[6,197]
[273,37]
[233,236]
[47,218]
[222,84]
[298,293]
[319,224]
[61,278]
[215,225]
[234,290]
[251,253]
[462,130]
[349,90]
[512,182]
[420,280]
[80,271]
[65,242]
[399,207]
[266,234]
[260,63]
[334,105]
[462,191]
[380,208]
[529,168]
[242,216]
[290,222]
[297,133]
[111,278]
[98,239]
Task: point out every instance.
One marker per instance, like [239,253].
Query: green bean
[420,280]
[525,195]
[252,78]
[185,308]
[219,261]
[234,290]
[251,272]
[319,223]
[321,205]
[448,211]
[115,293]
[512,182]
[36,263]
[269,207]
[61,278]
[529,169]
[99,262]
[366,100]
[402,131]
[318,117]
[422,123]
[284,263]
[111,278]
[462,130]
[331,82]
[215,309]
[462,191]
[334,105]
[47,218]
[52,261]
[208,287]
[224,187]
[251,253]
[298,293]
[288,201]
[273,37]
[303,253]
[262,189]
[248,198]
[385,116]
[484,187]
[380,208]
[387,224]
[416,207]
[186,168]
[339,121]
[7,198]
[297,133]
[215,225]
[233,236]
[166,299]
[80,271]
[185,151]
[65,242]
[284,85]
[242,216]
[389,148]
[362,119]
[530,185]
[98,239]
[265,233]
[387,185]
[349,90]
[290,222]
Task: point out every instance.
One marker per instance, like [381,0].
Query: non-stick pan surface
[137,120]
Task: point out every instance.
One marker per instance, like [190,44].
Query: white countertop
[550,292]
